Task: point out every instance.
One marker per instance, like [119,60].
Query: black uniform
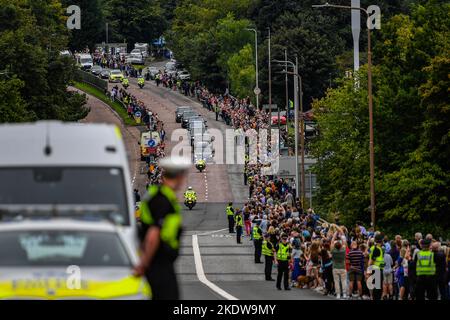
[161,274]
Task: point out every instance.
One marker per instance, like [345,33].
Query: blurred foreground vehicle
[67,259]
[66,169]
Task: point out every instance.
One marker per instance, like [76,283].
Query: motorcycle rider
[141,82]
[190,194]
[125,83]
[200,163]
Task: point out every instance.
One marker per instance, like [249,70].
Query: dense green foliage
[33,75]
[134,21]
[93,25]
[412,129]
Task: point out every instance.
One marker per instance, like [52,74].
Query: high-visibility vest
[265,249]
[171,227]
[283,252]
[230,211]
[256,234]
[238,220]
[425,263]
[379,261]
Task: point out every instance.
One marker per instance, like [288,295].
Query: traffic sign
[151,143]
[257,91]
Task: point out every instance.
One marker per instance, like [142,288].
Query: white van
[56,169]
[85,61]
[143,48]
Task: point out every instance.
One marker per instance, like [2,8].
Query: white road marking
[201,273]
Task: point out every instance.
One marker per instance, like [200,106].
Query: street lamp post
[369,89]
[257,90]
[298,105]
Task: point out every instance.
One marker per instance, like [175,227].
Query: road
[211,265]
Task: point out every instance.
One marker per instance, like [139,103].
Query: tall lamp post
[257,89]
[369,89]
[298,105]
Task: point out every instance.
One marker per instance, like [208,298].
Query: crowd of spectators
[331,258]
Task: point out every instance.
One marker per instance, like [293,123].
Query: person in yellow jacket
[426,283]
[160,230]
[257,240]
[283,257]
[239,224]
[268,251]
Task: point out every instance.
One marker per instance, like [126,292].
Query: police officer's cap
[426,242]
[174,166]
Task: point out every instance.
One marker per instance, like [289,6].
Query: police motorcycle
[200,165]
[141,82]
[125,83]
[190,198]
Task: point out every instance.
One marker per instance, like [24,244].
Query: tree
[242,72]
[135,20]
[411,129]
[33,34]
[12,106]
[92,25]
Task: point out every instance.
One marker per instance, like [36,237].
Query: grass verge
[97,93]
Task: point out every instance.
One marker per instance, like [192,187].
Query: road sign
[151,143]
[257,91]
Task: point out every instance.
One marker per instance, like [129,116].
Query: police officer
[257,241]
[376,262]
[283,257]
[160,230]
[268,253]
[239,223]
[426,272]
[230,217]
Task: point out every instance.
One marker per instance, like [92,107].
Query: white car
[184,75]
[135,59]
[62,259]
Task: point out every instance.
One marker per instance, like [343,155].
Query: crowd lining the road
[329,258]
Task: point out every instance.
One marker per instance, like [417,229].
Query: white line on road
[201,273]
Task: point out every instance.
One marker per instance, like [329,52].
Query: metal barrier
[83,76]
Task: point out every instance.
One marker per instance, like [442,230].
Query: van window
[103,187]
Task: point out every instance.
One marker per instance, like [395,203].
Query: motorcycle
[200,165]
[190,202]
[125,85]
[141,83]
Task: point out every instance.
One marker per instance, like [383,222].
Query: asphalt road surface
[211,264]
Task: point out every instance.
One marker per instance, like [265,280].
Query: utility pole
[107,33]
[296,106]
[287,92]
[257,90]
[370,98]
